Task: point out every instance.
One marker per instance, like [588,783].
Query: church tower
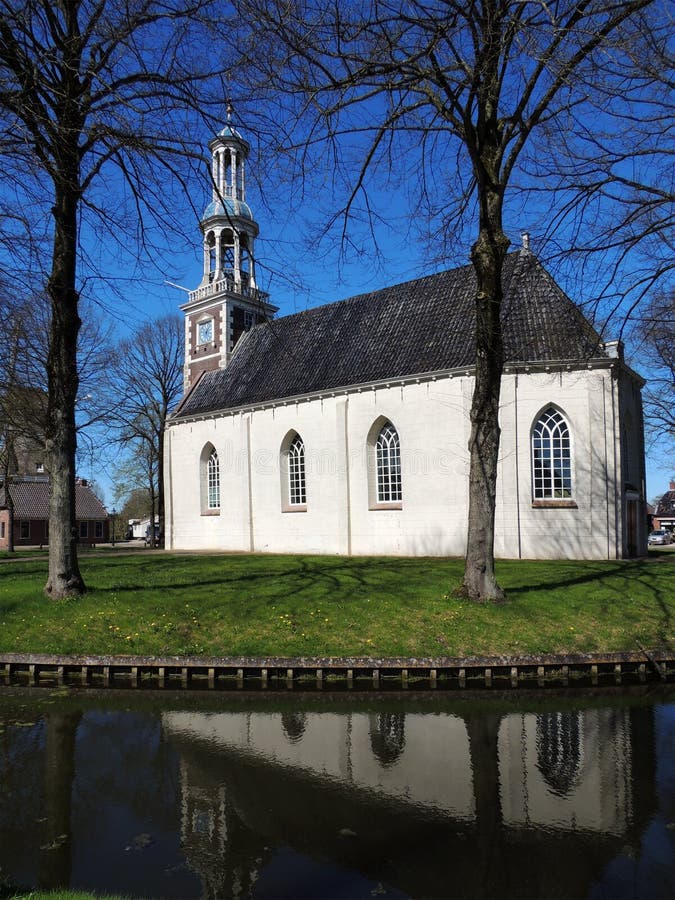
[228,301]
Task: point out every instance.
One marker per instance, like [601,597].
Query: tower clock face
[205,332]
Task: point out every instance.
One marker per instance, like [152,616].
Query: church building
[344,429]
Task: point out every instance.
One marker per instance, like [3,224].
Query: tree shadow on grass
[638,580]
[298,576]
[582,572]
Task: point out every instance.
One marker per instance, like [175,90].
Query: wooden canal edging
[352,673]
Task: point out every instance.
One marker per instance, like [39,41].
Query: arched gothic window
[210,481]
[297,489]
[213,479]
[388,465]
[551,457]
[292,469]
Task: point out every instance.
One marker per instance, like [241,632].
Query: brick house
[30,496]
[664,517]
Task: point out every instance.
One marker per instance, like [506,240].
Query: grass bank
[264,605]
[62,895]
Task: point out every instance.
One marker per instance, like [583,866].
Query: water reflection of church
[337,785]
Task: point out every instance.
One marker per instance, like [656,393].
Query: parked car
[660,537]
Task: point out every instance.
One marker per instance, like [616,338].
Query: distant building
[24,412]
[344,429]
[664,515]
[140,528]
[30,496]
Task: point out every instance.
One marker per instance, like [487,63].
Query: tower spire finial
[229,109]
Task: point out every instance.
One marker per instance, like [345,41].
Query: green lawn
[64,894]
[335,606]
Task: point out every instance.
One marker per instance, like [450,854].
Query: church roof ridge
[422,325]
[364,295]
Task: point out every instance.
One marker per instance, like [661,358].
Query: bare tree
[131,494]
[24,331]
[654,336]
[609,184]
[454,91]
[94,97]
[149,383]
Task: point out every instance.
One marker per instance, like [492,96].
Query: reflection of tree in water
[21,794]
[559,750]
[294,726]
[54,864]
[387,736]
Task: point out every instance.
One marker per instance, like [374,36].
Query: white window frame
[551,454]
[293,469]
[385,476]
[213,480]
[209,481]
[297,481]
[388,465]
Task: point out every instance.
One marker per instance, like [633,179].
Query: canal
[538,794]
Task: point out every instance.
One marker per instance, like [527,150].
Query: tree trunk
[153,506]
[160,489]
[480,582]
[64,574]
[10,518]
[487,255]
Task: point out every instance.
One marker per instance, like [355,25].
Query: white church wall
[432,420]
[343,749]
[586,529]
[188,528]
[277,526]
[433,432]
[630,411]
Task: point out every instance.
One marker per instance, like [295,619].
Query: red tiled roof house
[30,496]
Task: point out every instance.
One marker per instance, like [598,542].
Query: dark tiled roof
[31,501]
[427,325]
[666,505]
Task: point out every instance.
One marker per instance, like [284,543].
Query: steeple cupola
[227,301]
[228,225]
